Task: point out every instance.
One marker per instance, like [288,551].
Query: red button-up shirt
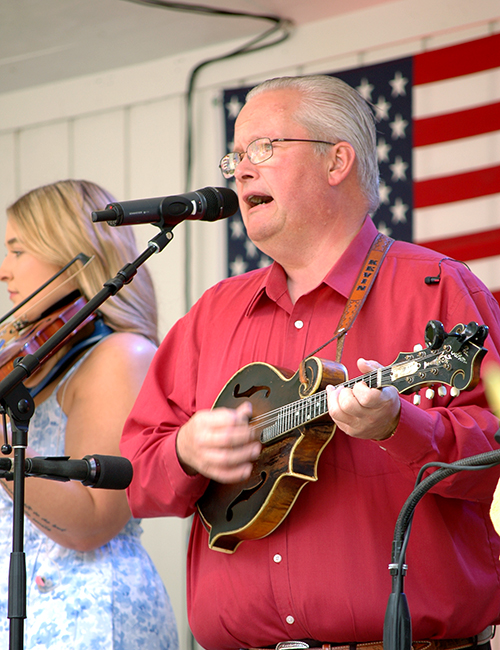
[323,574]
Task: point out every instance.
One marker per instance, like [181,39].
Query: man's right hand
[219,444]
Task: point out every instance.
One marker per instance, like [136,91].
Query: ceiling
[42,41]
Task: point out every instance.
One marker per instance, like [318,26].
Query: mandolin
[290,414]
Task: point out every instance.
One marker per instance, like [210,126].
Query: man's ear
[342,162]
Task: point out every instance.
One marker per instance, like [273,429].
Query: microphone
[97,471]
[207,204]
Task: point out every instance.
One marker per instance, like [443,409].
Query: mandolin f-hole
[244,495]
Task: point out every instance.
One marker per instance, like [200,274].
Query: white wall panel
[8,169]
[99,150]
[207,250]
[8,194]
[157,148]
[156,168]
[43,155]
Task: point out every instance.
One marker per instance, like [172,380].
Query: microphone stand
[16,401]
[397,622]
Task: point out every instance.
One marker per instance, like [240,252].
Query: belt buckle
[292,645]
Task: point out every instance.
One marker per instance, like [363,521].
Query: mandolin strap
[359,292]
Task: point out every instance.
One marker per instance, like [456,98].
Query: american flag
[438,131]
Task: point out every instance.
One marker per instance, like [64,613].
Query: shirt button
[290,620]
[277,558]
[299,324]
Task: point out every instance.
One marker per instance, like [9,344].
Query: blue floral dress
[108,599]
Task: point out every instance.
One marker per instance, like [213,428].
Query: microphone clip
[436,279]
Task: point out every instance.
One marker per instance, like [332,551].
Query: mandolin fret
[294,415]
[252,509]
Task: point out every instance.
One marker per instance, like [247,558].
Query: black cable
[203,9]
[253,45]
[397,624]
[279,24]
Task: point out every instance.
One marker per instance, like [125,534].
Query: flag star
[384,229]
[233,107]
[251,249]
[382,108]
[365,89]
[398,127]
[398,84]
[398,210]
[237,229]
[398,169]
[384,191]
[238,266]
[383,149]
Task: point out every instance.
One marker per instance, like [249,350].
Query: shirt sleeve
[160,486]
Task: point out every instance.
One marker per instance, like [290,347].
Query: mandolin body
[254,508]
[290,414]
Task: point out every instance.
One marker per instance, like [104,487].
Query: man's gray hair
[334,111]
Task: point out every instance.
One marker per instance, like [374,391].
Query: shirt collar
[340,278]
[344,272]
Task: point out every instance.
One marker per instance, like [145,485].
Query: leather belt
[434,644]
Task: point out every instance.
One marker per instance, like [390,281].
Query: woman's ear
[342,162]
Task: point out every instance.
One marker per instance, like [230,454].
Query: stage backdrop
[438,128]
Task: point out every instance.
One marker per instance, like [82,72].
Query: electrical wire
[280,26]
[486,460]
[255,44]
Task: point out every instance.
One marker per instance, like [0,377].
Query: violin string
[84,259]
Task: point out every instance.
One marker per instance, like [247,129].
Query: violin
[21,336]
[20,339]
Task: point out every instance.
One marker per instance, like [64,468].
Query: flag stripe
[456,94]
[438,143]
[454,219]
[456,156]
[457,60]
[458,187]
[457,125]
[468,247]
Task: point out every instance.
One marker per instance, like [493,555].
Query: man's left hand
[362,412]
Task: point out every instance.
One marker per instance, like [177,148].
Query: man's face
[284,201]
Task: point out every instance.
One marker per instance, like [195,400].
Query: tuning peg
[417,348]
[442,391]
[416,399]
[429,393]
[454,392]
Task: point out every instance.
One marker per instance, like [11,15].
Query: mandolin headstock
[450,358]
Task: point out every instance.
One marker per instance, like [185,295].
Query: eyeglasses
[258,152]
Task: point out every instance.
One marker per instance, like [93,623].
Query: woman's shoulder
[122,347]
[120,358]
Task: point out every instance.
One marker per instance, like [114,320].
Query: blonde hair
[334,111]
[54,224]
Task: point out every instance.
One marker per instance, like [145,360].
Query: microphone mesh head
[115,472]
[221,202]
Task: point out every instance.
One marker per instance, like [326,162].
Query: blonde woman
[90,583]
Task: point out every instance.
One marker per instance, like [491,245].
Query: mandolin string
[299,406]
[272,416]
